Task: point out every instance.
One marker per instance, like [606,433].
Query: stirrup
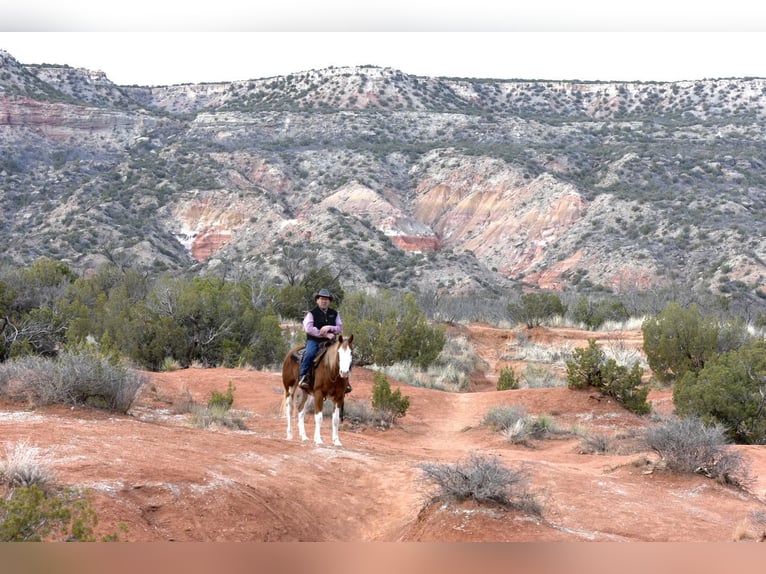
[304,384]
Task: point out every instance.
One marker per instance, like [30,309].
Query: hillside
[166,480]
[444,185]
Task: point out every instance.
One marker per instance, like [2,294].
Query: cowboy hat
[323,293]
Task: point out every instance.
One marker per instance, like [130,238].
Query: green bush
[679,340]
[731,392]
[584,370]
[390,328]
[534,309]
[222,400]
[507,379]
[32,514]
[593,315]
[590,368]
[391,404]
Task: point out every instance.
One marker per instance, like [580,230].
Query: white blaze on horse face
[344,360]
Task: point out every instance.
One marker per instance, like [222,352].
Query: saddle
[321,350]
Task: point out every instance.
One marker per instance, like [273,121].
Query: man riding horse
[321,325]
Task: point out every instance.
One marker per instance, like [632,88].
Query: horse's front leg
[336,425]
[289,414]
[318,405]
[302,408]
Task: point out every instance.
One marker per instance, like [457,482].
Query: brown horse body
[330,378]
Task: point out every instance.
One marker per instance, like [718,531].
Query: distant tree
[594,314]
[293,262]
[322,278]
[730,391]
[31,315]
[267,345]
[679,340]
[389,327]
[291,302]
[534,309]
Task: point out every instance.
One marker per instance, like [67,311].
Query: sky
[161,43]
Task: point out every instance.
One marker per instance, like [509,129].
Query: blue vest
[321,319]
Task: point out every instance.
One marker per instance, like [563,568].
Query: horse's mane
[332,357]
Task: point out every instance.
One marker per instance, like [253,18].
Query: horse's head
[345,348]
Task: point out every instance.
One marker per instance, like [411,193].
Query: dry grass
[22,466]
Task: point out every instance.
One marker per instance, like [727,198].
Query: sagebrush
[484,479]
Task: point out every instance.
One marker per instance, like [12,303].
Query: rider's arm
[338,325]
[308,325]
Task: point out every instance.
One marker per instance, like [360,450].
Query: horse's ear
[351,340]
[340,338]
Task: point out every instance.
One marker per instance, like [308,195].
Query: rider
[321,324]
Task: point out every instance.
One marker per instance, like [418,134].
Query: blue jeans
[312,347]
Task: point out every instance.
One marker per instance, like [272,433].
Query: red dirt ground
[166,480]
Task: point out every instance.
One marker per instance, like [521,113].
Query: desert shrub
[451,371]
[507,379]
[5,380]
[584,370]
[82,377]
[484,479]
[538,377]
[590,368]
[534,309]
[441,375]
[169,364]
[33,514]
[690,446]
[541,426]
[391,405]
[500,418]
[184,402]
[596,443]
[679,340]
[22,466]
[528,428]
[516,426]
[594,314]
[730,391]
[360,413]
[625,386]
[217,415]
[390,327]
[220,400]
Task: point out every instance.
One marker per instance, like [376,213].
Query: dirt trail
[165,479]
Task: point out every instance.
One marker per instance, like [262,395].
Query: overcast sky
[159,43]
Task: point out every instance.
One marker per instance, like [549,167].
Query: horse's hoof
[337,443]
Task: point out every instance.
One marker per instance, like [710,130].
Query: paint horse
[331,371]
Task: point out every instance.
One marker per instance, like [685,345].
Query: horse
[331,371]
